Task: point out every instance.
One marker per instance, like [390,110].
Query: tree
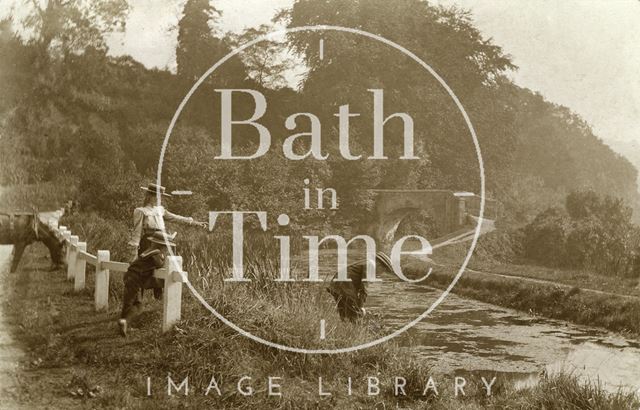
[608,210]
[545,237]
[266,61]
[594,233]
[59,27]
[198,46]
[353,64]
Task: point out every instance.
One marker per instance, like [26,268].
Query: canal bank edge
[584,307]
[74,352]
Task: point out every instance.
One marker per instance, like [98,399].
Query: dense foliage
[591,232]
[73,113]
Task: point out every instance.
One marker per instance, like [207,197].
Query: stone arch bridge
[452,211]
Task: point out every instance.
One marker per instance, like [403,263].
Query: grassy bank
[72,347]
[618,314]
[573,298]
[527,269]
[570,277]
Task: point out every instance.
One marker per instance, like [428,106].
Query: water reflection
[467,335]
[464,335]
[613,368]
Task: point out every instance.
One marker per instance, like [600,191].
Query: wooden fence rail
[77,258]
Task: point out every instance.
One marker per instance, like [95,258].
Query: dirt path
[550,283]
[10,352]
[489,226]
[29,379]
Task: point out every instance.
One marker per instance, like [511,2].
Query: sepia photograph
[319,204]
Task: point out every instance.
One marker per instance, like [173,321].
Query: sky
[149,36]
[584,54]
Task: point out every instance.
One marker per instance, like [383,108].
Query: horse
[21,229]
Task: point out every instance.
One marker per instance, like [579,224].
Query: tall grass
[282,312]
[203,346]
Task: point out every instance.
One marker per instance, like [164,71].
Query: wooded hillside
[72,114]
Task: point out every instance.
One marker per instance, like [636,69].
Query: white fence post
[101,295]
[80,268]
[66,235]
[172,296]
[72,256]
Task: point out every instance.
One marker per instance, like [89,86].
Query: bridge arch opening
[417,221]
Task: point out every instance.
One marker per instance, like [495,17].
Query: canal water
[467,336]
[463,335]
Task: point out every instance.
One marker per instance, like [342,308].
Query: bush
[503,246]
[594,233]
[583,242]
[42,197]
[545,238]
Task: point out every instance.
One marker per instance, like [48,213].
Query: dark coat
[350,296]
[139,276]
